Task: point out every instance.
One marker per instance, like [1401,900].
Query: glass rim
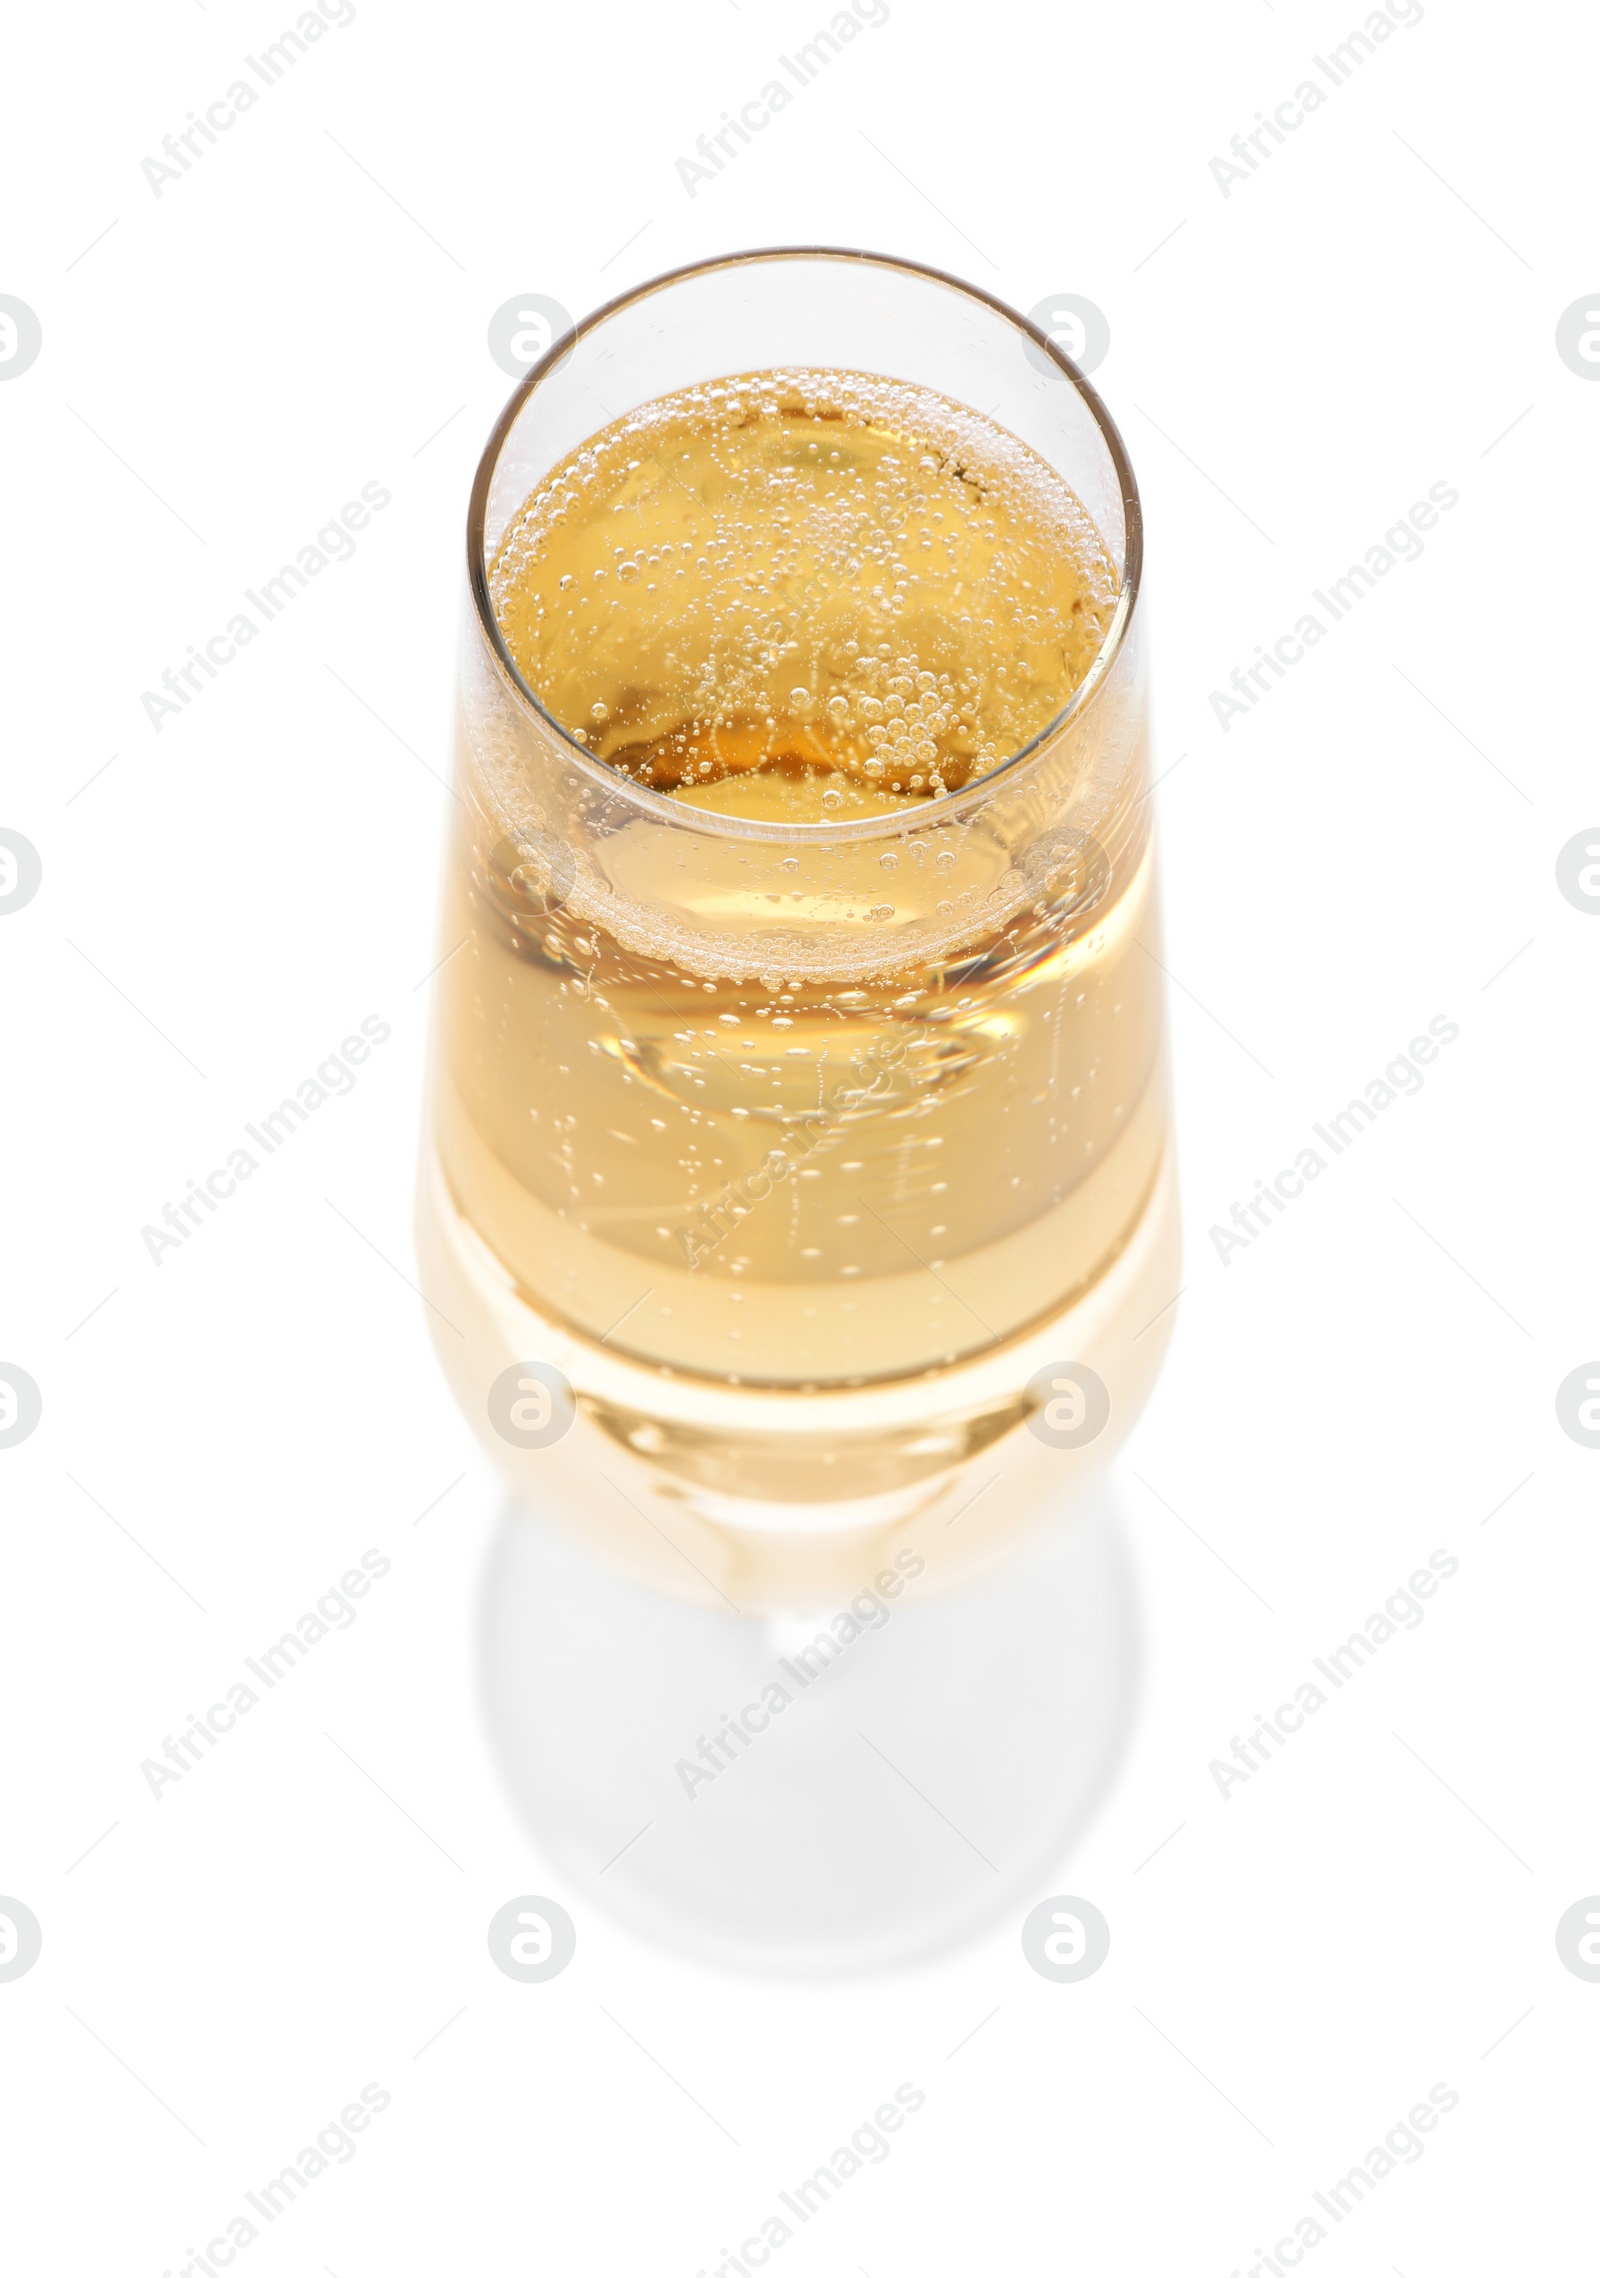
[708,820]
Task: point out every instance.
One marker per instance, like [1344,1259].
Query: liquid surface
[802,598]
[803,595]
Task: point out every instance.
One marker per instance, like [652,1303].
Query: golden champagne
[842,1136]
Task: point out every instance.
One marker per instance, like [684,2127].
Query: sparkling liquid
[813,1161]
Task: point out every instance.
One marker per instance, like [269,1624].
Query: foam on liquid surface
[803,596]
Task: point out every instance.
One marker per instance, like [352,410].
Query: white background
[1371,312]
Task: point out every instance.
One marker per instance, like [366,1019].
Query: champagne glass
[797,1208]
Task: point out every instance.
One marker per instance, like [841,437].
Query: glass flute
[797,1206]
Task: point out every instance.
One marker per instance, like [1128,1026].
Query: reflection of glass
[810,1121]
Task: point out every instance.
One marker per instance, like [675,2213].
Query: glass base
[779,1796]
